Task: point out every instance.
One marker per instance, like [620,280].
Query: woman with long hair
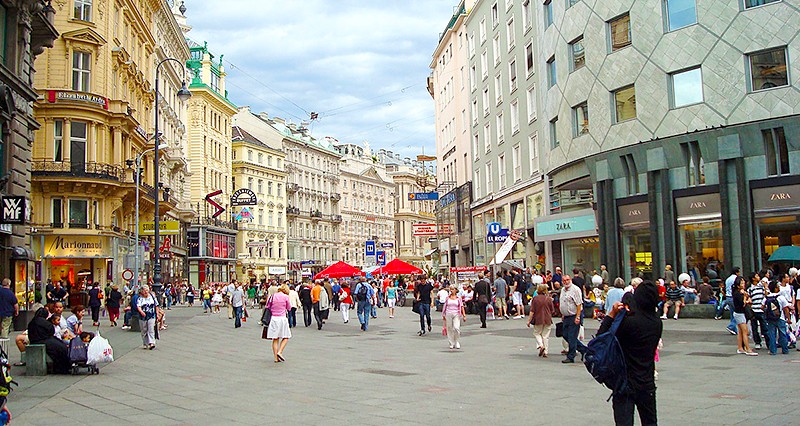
[278,330]
[453,313]
[740,301]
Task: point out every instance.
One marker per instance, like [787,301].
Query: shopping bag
[99,351]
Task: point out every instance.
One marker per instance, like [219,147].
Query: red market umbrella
[397,266]
[339,270]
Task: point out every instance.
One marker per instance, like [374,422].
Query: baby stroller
[78,354]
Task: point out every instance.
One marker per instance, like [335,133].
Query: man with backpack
[638,334]
[363,295]
[777,314]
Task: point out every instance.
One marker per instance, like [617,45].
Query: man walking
[500,289]
[227,292]
[422,293]
[483,293]
[638,337]
[237,302]
[571,306]
[363,295]
[307,302]
[9,308]
[319,298]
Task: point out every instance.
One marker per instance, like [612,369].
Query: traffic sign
[493,228]
[127,275]
[369,248]
[381,258]
[423,196]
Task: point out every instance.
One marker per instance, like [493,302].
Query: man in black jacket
[483,294]
[638,336]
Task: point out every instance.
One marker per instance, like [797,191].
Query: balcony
[292,211]
[91,170]
[336,218]
[292,187]
[336,196]
[316,214]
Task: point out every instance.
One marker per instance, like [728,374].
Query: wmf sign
[14,210]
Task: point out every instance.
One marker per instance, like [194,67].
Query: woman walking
[190,295]
[113,303]
[453,313]
[345,300]
[391,298]
[278,330]
[740,300]
[146,305]
[95,300]
[542,318]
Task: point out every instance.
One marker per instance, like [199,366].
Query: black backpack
[604,359]
[361,294]
[772,308]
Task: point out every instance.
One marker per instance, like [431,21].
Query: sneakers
[740,352]
[518,317]
[663,317]
[506,316]
[126,327]
[567,361]
[452,346]
[458,345]
[731,331]
[751,353]
[675,317]
[758,346]
[717,318]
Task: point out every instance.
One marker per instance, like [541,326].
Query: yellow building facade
[95,105]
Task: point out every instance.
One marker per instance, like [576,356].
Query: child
[216,300]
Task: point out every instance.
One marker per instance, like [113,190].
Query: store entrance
[777,232]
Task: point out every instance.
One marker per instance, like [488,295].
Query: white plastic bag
[99,351]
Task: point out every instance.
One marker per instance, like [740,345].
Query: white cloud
[347,60]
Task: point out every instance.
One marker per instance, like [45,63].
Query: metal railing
[215,222]
[292,187]
[80,169]
[336,196]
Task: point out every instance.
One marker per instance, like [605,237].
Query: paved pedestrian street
[206,372]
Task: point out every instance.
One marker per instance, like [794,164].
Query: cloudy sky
[361,65]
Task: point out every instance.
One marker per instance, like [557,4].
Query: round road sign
[127,275]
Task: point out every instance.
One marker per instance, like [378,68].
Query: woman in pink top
[452,314]
[278,329]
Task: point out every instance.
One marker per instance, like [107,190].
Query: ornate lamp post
[183,94]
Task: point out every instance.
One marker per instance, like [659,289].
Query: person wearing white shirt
[441,297]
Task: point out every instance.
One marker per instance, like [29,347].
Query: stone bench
[35,360]
[698,311]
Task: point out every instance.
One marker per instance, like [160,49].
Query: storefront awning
[430,252]
[22,253]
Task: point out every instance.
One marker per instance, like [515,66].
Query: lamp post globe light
[183,95]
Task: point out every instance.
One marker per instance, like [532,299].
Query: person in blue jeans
[729,284]
[363,294]
[777,331]
[422,292]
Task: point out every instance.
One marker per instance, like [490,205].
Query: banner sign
[165,227]
[424,229]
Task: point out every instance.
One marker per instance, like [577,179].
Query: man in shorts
[674,298]
[500,288]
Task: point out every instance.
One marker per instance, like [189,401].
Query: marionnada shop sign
[76,246]
[54,96]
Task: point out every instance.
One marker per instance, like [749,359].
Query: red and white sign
[446,229]
[127,275]
[456,269]
[424,229]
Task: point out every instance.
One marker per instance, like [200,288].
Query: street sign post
[369,248]
[380,258]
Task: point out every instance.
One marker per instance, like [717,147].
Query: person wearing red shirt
[346,300]
[662,293]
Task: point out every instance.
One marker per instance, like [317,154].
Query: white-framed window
[471,45]
[496,49]
[78,135]
[495,15]
[473,78]
[476,143]
[487,138]
[474,111]
[78,213]
[269,188]
[81,71]
[533,151]
[577,54]
[498,89]
[514,116]
[516,163]
[250,183]
[483,30]
[531,98]
[260,186]
[768,69]
[477,183]
[83,10]
[680,13]
[485,102]
[489,187]
[512,75]
[511,33]
[527,21]
[529,64]
[501,171]
[580,116]
[686,87]
[484,65]
[500,126]
[58,140]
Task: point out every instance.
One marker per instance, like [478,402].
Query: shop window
[83,10]
[620,30]
[81,71]
[57,215]
[777,152]
[695,165]
[78,213]
[625,104]
[768,69]
[58,140]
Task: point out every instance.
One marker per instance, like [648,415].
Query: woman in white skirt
[278,330]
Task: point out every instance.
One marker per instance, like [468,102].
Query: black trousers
[643,401]
[482,313]
[306,315]
[318,316]
[95,313]
[759,324]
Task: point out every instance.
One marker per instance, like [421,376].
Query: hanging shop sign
[54,96]
[81,246]
[244,197]
[13,209]
[424,229]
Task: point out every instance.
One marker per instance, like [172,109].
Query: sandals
[280,358]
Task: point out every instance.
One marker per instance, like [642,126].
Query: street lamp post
[137,178]
[183,94]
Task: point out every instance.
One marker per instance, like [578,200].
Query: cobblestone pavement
[206,372]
